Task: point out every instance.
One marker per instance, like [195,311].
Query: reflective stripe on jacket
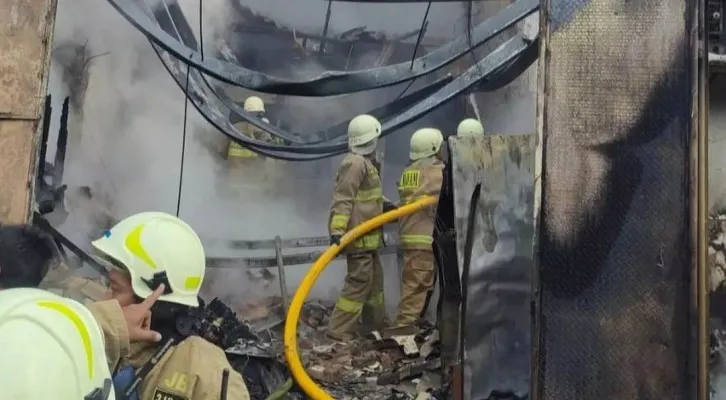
[421,178]
[234,150]
[357,197]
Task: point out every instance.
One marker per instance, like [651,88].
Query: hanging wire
[186,113]
[420,33]
[184,145]
[424,21]
[201,34]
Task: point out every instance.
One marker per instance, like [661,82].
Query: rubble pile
[401,364]
[381,366]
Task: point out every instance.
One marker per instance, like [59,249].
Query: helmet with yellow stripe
[156,248]
[52,348]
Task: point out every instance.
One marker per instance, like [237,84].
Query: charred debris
[402,364]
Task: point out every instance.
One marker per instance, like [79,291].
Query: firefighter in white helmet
[256,106]
[469,127]
[51,348]
[422,177]
[142,253]
[358,197]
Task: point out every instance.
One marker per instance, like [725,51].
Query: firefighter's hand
[335,240]
[388,206]
[138,318]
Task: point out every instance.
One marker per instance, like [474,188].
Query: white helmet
[155,248]
[363,133]
[52,348]
[254,104]
[469,128]
[425,142]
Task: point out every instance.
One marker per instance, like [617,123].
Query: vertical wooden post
[26,37]
[281,274]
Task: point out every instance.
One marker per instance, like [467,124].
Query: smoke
[392,19]
[127,128]
[126,142]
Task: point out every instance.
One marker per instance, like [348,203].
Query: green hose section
[281,391]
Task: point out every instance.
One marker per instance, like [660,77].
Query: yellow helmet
[469,127]
[425,142]
[254,104]
[155,248]
[363,133]
[52,348]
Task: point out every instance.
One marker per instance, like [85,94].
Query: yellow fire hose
[297,370]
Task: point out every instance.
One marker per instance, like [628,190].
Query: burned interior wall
[717,232]
[497,311]
[717,142]
[614,248]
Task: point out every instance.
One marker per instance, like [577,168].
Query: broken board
[26,34]
[616,101]
[498,284]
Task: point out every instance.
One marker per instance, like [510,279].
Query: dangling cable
[424,22]
[186,112]
[201,34]
[183,149]
[420,34]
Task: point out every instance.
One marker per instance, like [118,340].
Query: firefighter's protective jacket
[357,197]
[61,281]
[191,370]
[110,319]
[421,178]
[252,132]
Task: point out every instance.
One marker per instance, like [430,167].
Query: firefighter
[358,197]
[51,348]
[470,127]
[422,177]
[144,253]
[253,105]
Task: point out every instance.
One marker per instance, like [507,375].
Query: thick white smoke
[125,141]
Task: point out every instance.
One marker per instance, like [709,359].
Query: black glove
[388,206]
[334,239]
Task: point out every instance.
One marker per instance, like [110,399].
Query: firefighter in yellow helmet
[422,177]
[142,253]
[470,127]
[254,105]
[358,197]
[51,349]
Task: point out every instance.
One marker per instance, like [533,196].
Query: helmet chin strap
[366,149]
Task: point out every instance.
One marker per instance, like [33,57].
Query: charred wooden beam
[26,30]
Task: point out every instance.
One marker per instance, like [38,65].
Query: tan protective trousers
[361,297]
[417,280]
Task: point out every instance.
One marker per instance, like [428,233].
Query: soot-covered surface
[614,240]
[497,318]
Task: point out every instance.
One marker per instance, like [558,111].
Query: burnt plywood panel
[497,330]
[26,28]
[614,248]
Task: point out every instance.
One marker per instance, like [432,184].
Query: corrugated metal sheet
[497,315]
